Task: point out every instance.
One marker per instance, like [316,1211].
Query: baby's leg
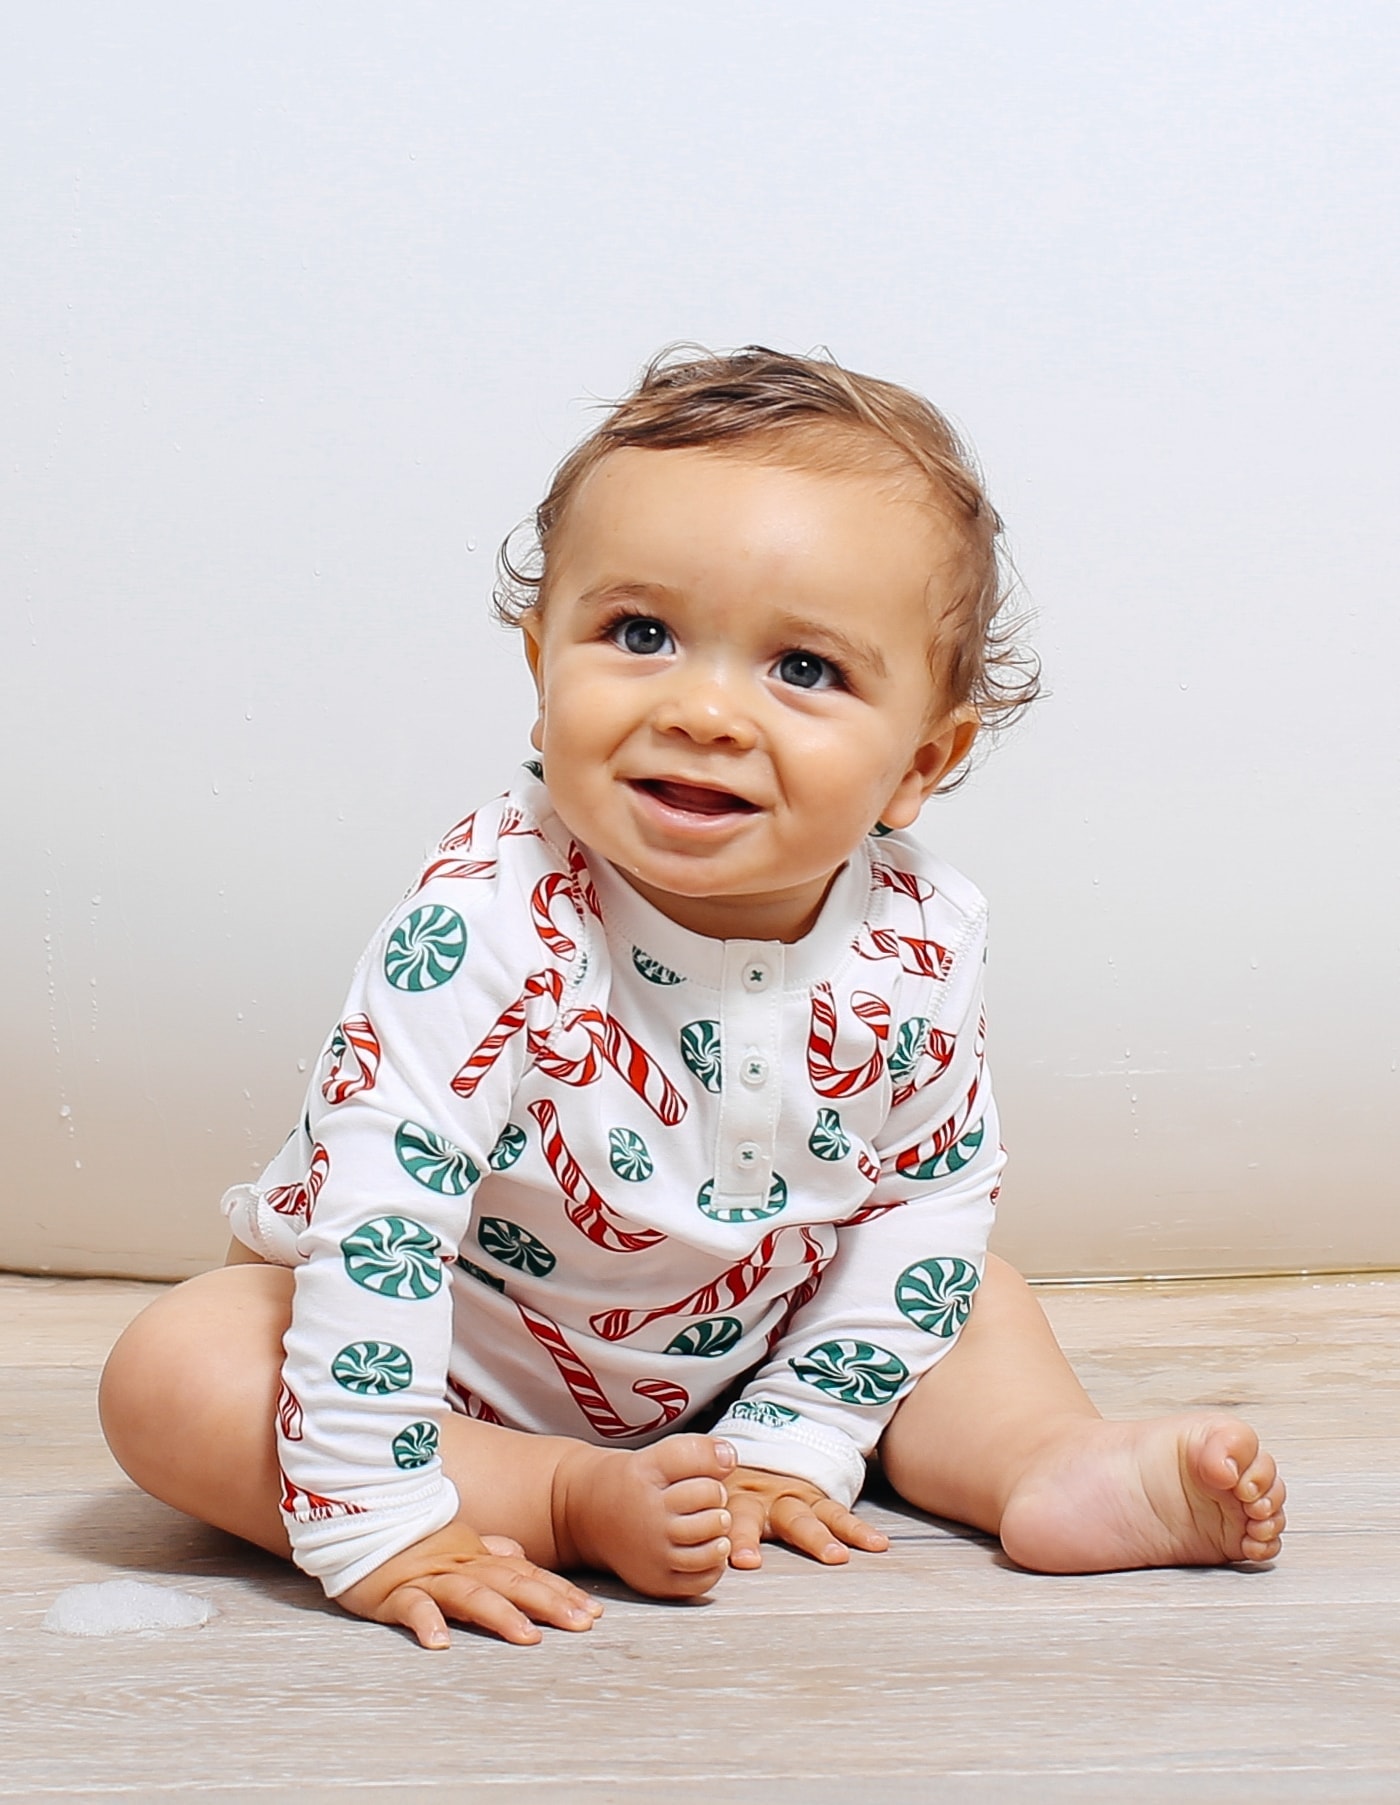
[1001,1435]
[188,1400]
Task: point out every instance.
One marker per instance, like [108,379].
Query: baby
[644,1186]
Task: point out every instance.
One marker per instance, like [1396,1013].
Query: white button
[757,975]
[754,1071]
[747,1154]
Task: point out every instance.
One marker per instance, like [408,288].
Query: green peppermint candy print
[908,1045]
[856,1372]
[716,1335]
[936,1295]
[372,1368]
[416,1445]
[755,1212]
[769,1416]
[700,1049]
[879,831]
[943,1165]
[481,1276]
[653,970]
[426,948]
[508,1148]
[393,1256]
[433,1161]
[628,1155]
[514,1246]
[535,768]
[829,1140]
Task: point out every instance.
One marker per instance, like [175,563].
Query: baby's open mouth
[694,798]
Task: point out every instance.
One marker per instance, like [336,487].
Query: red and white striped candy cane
[921,958]
[732,1286]
[583,880]
[588,1394]
[354,1066]
[829,1079]
[943,1137]
[513,822]
[547,983]
[870,1211]
[288,1200]
[542,899]
[587,1208]
[573,1068]
[472,1405]
[311,1507]
[459,838]
[803,1294]
[903,883]
[289,1414]
[455,868]
[633,1063]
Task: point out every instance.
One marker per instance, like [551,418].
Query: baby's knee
[183,1349]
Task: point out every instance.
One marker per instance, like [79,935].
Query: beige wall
[296,310]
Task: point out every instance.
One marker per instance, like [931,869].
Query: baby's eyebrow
[605,595]
[833,642]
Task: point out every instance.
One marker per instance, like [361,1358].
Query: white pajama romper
[569,1167]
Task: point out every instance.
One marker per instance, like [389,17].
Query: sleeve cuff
[802,1449]
[340,1550]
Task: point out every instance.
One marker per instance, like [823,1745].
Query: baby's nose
[708,707]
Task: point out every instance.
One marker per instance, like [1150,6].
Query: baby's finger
[847,1527]
[418,1613]
[543,1596]
[748,1514]
[796,1522]
[468,1601]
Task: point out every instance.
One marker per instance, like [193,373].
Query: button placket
[751,1017]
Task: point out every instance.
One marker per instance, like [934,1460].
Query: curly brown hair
[810,411]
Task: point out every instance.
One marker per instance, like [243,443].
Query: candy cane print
[576,1069]
[473,1406]
[829,1079]
[583,881]
[803,1294]
[311,1507]
[547,983]
[903,883]
[590,1397]
[920,958]
[289,1200]
[316,1177]
[943,1137]
[731,1287]
[938,1046]
[354,1053]
[642,1074]
[867,1166]
[587,1209]
[459,838]
[513,822]
[551,885]
[289,1415]
[454,868]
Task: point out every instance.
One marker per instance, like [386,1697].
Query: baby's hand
[454,1573]
[772,1507]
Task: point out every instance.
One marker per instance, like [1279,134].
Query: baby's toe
[686,1457]
[684,1497]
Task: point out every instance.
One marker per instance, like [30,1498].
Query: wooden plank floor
[934,1672]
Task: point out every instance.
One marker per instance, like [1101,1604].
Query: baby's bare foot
[1181,1491]
[656,1518]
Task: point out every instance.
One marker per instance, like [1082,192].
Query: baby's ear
[943,751]
[532,631]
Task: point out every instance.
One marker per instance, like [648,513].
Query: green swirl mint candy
[775,1201]
[514,1246]
[829,1140]
[480,1274]
[856,1372]
[770,1416]
[426,948]
[416,1445]
[700,1049]
[908,1045]
[394,1257]
[433,1161]
[716,1335]
[628,1155]
[653,970]
[943,1165]
[508,1148]
[372,1368]
[936,1294]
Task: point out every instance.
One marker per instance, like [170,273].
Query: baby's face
[733,664]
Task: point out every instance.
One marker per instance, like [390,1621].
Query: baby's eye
[804,670]
[642,635]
